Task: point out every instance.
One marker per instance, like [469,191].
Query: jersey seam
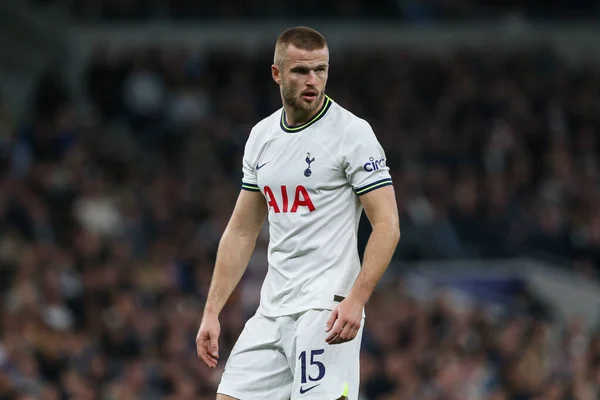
[256,153]
[324,148]
[313,139]
[343,157]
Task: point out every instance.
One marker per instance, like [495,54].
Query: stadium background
[122,124]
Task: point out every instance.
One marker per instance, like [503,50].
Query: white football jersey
[311,177]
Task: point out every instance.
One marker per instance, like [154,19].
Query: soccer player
[312,167]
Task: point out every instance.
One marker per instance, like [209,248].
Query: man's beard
[291,99]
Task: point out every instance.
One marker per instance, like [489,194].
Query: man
[312,167]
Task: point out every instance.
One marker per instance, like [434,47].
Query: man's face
[302,77]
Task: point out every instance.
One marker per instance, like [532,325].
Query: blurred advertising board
[502,286]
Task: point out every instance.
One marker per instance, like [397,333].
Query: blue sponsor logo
[374,165]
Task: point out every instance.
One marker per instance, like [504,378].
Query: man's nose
[312,79]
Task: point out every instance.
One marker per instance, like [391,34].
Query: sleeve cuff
[372,186]
[251,187]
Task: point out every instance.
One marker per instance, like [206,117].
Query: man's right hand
[207,340]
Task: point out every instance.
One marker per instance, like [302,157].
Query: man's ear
[276,74]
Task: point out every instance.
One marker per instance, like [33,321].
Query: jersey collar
[291,129]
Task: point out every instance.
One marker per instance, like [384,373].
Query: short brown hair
[301,37]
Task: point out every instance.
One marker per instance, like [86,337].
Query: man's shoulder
[344,118]
[267,124]
[265,128]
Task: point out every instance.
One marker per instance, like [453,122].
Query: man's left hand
[345,320]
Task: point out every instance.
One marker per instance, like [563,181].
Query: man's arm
[235,248]
[234,252]
[382,211]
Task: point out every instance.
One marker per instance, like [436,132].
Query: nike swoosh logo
[302,390]
[260,166]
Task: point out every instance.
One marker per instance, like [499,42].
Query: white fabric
[266,362]
[313,220]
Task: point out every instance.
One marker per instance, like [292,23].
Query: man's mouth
[310,95]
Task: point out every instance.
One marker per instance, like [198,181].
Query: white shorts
[287,358]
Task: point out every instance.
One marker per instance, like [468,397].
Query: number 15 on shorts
[311,369]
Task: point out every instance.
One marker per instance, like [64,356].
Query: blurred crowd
[415,11]
[445,350]
[113,200]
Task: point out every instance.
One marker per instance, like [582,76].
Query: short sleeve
[364,159]
[249,181]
